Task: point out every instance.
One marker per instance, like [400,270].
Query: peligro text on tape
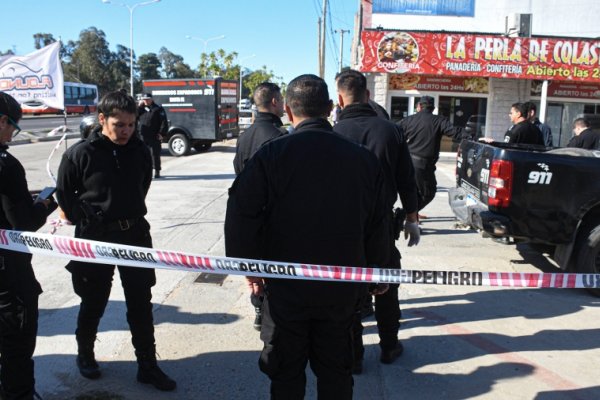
[110,253]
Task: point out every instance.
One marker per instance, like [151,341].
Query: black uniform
[311,197]
[587,139]
[266,126]
[361,124]
[102,188]
[152,121]
[19,290]
[525,133]
[423,132]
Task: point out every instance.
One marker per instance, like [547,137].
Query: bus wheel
[179,145]
[86,110]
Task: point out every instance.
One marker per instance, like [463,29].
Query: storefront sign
[567,89]
[438,83]
[481,55]
[462,8]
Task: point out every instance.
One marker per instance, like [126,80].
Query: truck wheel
[200,147]
[588,256]
[179,145]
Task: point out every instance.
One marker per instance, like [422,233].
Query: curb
[29,137]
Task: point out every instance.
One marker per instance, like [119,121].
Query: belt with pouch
[121,224]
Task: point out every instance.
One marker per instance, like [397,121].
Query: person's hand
[159,137]
[379,288]
[486,139]
[411,229]
[256,285]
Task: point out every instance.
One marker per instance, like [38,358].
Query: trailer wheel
[200,147]
[588,256]
[179,145]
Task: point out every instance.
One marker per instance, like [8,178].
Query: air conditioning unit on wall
[518,25]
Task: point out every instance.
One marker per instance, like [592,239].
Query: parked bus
[80,98]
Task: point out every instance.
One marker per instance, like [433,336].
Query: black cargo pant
[18,332]
[155,148]
[387,315]
[92,282]
[293,335]
[425,177]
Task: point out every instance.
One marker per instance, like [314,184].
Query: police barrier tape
[110,253]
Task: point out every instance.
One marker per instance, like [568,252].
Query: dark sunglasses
[14,124]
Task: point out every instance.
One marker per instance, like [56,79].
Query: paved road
[48,122]
[461,342]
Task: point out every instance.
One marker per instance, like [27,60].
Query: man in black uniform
[19,290]
[423,132]
[522,131]
[267,125]
[153,125]
[585,138]
[360,123]
[311,197]
[102,186]
[545,130]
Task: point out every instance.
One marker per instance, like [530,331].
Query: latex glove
[412,229]
[256,285]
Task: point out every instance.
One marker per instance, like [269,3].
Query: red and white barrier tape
[111,253]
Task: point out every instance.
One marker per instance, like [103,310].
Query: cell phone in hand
[45,194]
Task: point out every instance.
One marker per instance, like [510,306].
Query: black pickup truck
[534,194]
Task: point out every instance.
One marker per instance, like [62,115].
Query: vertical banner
[37,76]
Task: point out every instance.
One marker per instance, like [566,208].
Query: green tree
[42,40]
[118,69]
[255,78]
[218,63]
[148,66]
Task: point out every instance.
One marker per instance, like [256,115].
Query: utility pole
[323,35]
[342,31]
[319,43]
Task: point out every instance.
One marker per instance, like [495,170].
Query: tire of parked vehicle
[588,255]
[179,145]
[200,147]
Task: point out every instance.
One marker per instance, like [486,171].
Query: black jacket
[152,121]
[524,133]
[266,126]
[545,131]
[310,197]
[112,179]
[423,132]
[587,139]
[17,212]
[361,124]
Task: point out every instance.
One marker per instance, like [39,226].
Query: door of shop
[466,112]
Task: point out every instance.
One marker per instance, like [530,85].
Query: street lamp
[205,41]
[242,74]
[130,8]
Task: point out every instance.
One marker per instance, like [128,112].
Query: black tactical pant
[155,148]
[293,335]
[18,332]
[92,282]
[426,182]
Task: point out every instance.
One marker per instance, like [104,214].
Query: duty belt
[121,224]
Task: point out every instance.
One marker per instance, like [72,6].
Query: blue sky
[282,34]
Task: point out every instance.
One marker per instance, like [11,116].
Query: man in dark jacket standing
[267,126]
[19,290]
[152,126]
[310,197]
[522,131]
[584,137]
[360,123]
[423,132]
[102,186]
[545,130]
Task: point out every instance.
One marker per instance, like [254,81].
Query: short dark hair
[307,96]
[10,107]
[531,107]
[116,101]
[353,84]
[264,93]
[583,122]
[427,102]
[521,108]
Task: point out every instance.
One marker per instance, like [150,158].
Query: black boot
[86,362]
[149,372]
